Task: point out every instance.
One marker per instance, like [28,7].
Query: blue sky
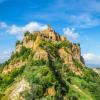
[79,20]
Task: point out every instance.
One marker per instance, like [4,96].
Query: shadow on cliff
[58,76]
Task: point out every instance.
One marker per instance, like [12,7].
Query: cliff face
[68,54]
[50,34]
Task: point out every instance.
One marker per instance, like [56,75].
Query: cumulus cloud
[32,26]
[70,32]
[4,56]
[91,58]
[84,21]
[19,30]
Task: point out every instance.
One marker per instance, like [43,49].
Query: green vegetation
[30,36]
[26,33]
[8,79]
[17,43]
[88,85]
[78,64]
[24,54]
[51,74]
[40,78]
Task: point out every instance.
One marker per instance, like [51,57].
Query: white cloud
[4,56]
[83,21]
[32,26]
[91,58]
[70,32]
[19,30]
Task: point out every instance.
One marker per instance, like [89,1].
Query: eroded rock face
[12,66]
[28,44]
[20,87]
[37,43]
[66,56]
[68,59]
[75,70]
[76,52]
[18,47]
[40,54]
[72,52]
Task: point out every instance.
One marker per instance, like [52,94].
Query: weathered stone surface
[37,42]
[18,47]
[40,54]
[75,70]
[76,52]
[66,56]
[27,43]
[12,66]
[20,87]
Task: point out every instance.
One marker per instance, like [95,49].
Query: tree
[26,33]
[17,42]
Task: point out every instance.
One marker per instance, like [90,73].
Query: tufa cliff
[33,40]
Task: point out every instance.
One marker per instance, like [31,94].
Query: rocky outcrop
[66,53]
[76,52]
[68,58]
[28,44]
[40,54]
[20,87]
[75,70]
[18,47]
[13,65]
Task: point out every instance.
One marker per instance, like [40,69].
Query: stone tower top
[50,34]
[49,28]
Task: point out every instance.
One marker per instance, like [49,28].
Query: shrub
[37,90]
[78,64]
[9,78]
[26,33]
[33,37]
[23,54]
[66,43]
[17,42]
[39,62]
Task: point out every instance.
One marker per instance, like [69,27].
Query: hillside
[47,66]
[97,70]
